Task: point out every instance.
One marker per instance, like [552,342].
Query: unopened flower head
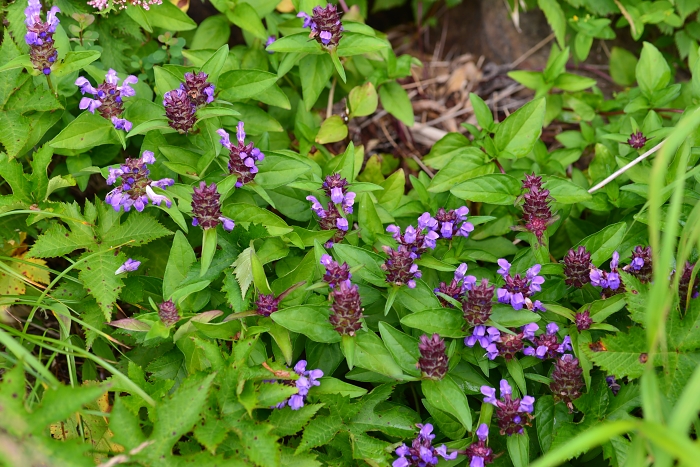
[242,157]
[129,266]
[567,380]
[422,453]
[305,381]
[335,273]
[400,268]
[478,302]
[507,345]
[583,320]
[325,25]
[512,414]
[167,312]
[457,287]
[547,345]
[608,281]
[346,310]
[452,223]
[122,4]
[108,97]
[577,267]
[136,188]
[480,454]
[537,215]
[518,289]
[180,110]
[266,304]
[684,285]
[206,211]
[39,37]
[433,359]
[637,140]
[199,90]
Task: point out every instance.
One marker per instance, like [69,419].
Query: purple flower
[206,210]
[39,37]
[478,335]
[478,301]
[270,40]
[517,289]
[451,223]
[457,287]
[179,109]
[168,314]
[546,345]
[136,187]
[400,267]
[478,452]
[608,281]
[305,381]
[509,411]
[198,89]
[242,157]
[577,265]
[335,273]
[637,140]
[108,97]
[325,25]
[422,453]
[129,266]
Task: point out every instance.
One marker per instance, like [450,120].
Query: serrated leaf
[57,241]
[138,229]
[622,353]
[97,275]
[243,270]
[14,132]
[288,422]
[320,432]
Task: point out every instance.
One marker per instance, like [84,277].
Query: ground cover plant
[203,261]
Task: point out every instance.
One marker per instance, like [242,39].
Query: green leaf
[445,395]
[245,17]
[402,347]
[86,132]
[601,245]
[288,422]
[178,414]
[243,84]
[139,229]
[371,354]
[446,149]
[448,322]
[556,19]
[519,449]
[62,403]
[170,18]
[317,71]
[97,275]
[652,71]
[212,33]
[74,61]
[622,66]
[215,64]
[482,112]
[246,214]
[357,44]
[550,417]
[468,163]
[331,385]
[57,241]
[14,132]
[338,65]
[310,320]
[22,61]
[333,129]
[12,172]
[369,220]
[363,100]
[296,43]
[494,188]
[622,353]
[566,192]
[208,249]
[259,277]
[395,100]
[319,432]
[354,256]
[516,135]
[515,369]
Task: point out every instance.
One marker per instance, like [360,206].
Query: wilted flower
[108,97]
[537,215]
[129,266]
[583,321]
[179,109]
[456,288]
[167,312]
[335,273]
[433,359]
[305,381]
[206,211]
[199,90]
[517,289]
[684,284]
[637,140]
[452,223]
[39,37]
[512,414]
[478,452]
[547,345]
[325,25]
[609,281]
[136,188]
[478,302]
[346,308]
[400,267]
[577,267]
[422,453]
[567,380]
[242,158]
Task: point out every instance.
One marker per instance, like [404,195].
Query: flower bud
[179,109]
[400,267]
[433,359]
[537,215]
[577,267]
[478,302]
[167,312]
[637,140]
[346,308]
[325,25]
[583,321]
[567,380]
[206,211]
[199,90]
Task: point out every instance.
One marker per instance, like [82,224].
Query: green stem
[51,88]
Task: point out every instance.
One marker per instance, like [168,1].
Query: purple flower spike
[325,25]
[478,452]
[451,223]
[433,359]
[198,89]
[335,273]
[422,453]
[346,308]
[108,98]
[518,289]
[537,215]
[242,157]
[180,110]
[39,37]
[206,210]
[305,381]
[567,380]
[136,187]
[577,265]
[129,266]
[512,414]
[400,267]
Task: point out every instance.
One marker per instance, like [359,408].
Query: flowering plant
[233,242]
